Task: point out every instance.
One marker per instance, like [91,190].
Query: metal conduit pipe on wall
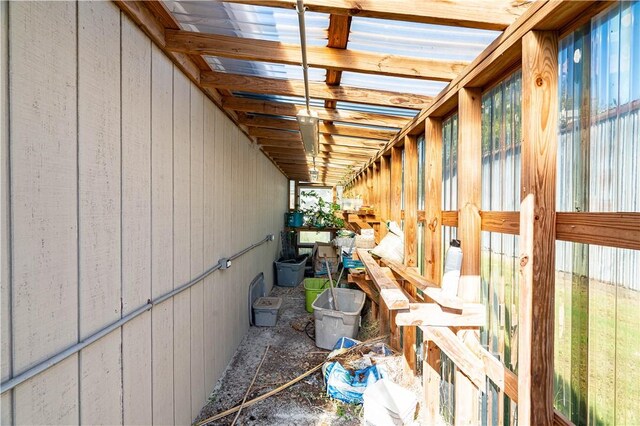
[62,355]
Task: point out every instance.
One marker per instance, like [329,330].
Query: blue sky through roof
[418,40]
[240,20]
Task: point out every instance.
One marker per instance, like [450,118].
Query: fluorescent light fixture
[314,174]
[308,122]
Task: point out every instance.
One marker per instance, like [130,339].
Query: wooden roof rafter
[481,14]
[356,131]
[267,122]
[326,91]
[194,43]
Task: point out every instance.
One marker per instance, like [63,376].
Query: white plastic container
[331,324]
[265,311]
[386,403]
[452,266]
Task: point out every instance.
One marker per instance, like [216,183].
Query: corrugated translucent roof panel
[401,112]
[418,40]
[298,100]
[263,69]
[240,20]
[395,84]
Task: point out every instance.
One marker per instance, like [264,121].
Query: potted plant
[321,214]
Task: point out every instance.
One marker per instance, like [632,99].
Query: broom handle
[333,295]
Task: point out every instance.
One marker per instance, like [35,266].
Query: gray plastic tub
[265,311]
[290,273]
[332,325]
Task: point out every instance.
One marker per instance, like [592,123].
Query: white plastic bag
[392,245]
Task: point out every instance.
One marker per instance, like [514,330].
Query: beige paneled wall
[121,181]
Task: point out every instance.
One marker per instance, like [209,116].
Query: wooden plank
[385,193]
[605,229]
[503,222]
[432,314]
[537,227]
[318,90]
[99,209]
[450,218]
[291,110]
[433,201]
[431,380]
[433,258]
[430,289]
[181,249]
[411,201]
[43,182]
[162,233]
[469,190]
[198,393]
[459,353]
[325,128]
[396,185]
[136,222]
[390,292]
[488,15]
[469,200]
[317,56]
[324,139]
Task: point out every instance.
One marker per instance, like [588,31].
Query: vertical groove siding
[124,182]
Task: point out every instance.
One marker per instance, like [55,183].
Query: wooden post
[410,233]
[469,201]
[410,200]
[369,186]
[432,258]
[385,193]
[537,227]
[433,200]
[375,190]
[396,185]
[375,184]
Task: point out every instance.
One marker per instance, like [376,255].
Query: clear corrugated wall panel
[450,163]
[599,117]
[501,146]
[449,202]
[597,334]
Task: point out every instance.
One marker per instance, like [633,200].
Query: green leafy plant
[321,214]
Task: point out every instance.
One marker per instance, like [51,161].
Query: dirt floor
[291,353]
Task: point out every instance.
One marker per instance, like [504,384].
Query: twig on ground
[250,386]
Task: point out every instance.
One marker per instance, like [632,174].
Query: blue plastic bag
[345,385]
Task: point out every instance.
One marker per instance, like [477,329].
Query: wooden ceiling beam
[317,56]
[320,159]
[277,86]
[287,135]
[322,154]
[482,14]
[333,129]
[356,152]
[339,26]
[291,110]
